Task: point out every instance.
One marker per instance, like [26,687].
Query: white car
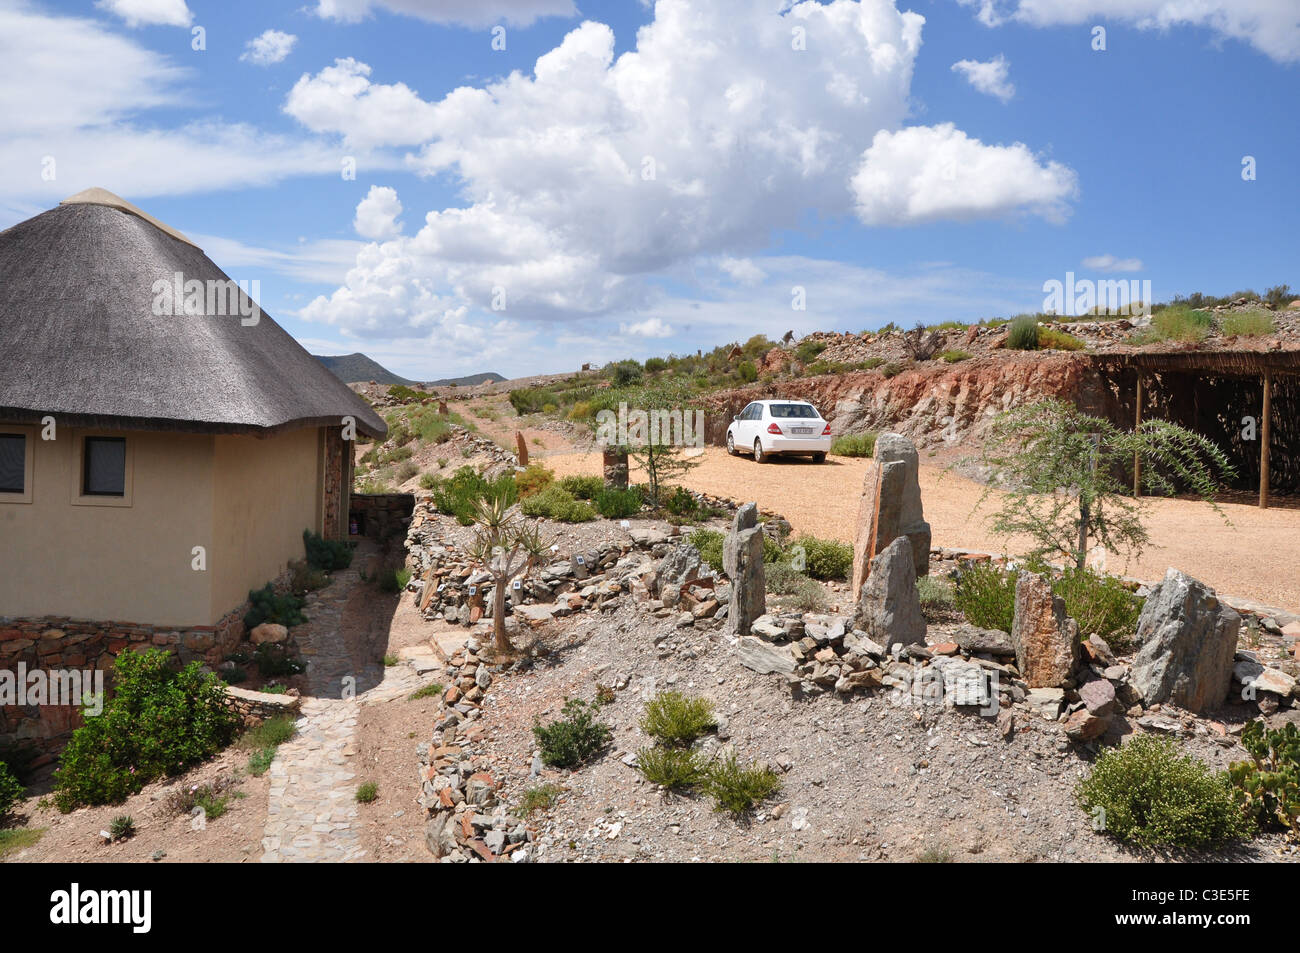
[768,428]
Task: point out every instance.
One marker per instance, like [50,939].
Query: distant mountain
[351,368]
[470,381]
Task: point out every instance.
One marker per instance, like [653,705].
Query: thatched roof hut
[82,341]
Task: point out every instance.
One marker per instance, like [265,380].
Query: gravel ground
[1252,558]
[862,779]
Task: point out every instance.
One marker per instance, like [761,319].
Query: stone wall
[376,515]
[52,643]
[256,707]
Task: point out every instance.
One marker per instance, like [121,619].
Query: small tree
[1063,470]
[506,545]
[655,452]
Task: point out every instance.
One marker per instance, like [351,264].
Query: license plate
[801,430]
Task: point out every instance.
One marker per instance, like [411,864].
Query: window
[782,411]
[104,467]
[13,463]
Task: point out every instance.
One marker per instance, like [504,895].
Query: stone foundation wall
[256,707]
[53,643]
[376,515]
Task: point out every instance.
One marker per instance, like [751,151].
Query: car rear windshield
[793,410]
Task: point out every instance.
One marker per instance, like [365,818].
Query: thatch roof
[80,339]
[1241,362]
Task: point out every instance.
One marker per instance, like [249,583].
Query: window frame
[79,495]
[29,463]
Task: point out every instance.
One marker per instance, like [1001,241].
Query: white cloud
[1111,263]
[341,99]
[929,173]
[707,138]
[61,102]
[649,328]
[473,13]
[989,78]
[377,214]
[149,12]
[1271,26]
[271,46]
[742,270]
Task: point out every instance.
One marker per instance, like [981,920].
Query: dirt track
[1254,558]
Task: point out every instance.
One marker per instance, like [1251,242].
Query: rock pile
[466,820]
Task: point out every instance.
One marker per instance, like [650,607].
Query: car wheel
[759,455]
[731,443]
[819,458]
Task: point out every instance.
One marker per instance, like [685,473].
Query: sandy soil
[1253,558]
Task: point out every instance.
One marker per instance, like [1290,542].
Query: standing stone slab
[1045,639]
[890,507]
[889,607]
[522,449]
[742,554]
[614,466]
[1188,641]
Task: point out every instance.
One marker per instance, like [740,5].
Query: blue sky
[638,194]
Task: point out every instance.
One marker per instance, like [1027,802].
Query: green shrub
[709,544]
[1175,323]
[11,792]
[263,740]
[428,481]
[891,369]
[397,455]
[1247,324]
[1149,794]
[681,503]
[1268,785]
[807,350]
[209,798]
[458,494]
[406,471]
[305,579]
[619,504]
[539,798]
[534,478]
[1100,604]
[825,558]
[784,580]
[671,768]
[747,371]
[583,487]
[575,737]
[555,503]
[736,788]
[259,762]
[233,676]
[367,792]
[624,373]
[405,394]
[122,827]
[986,596]
[267,605]
[1058,340]
[158,722]
[394,580]
[432,690]
[854,445]
[673,719]
[936,594]
[1023,333]
[327,554]
[955,356]
[274,661]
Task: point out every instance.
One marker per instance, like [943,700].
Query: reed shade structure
[81,341]
[1214,393]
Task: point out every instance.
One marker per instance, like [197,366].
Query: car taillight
[773,428]
[827,431]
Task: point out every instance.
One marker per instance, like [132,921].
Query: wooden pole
[1137,455]
[1264,433]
